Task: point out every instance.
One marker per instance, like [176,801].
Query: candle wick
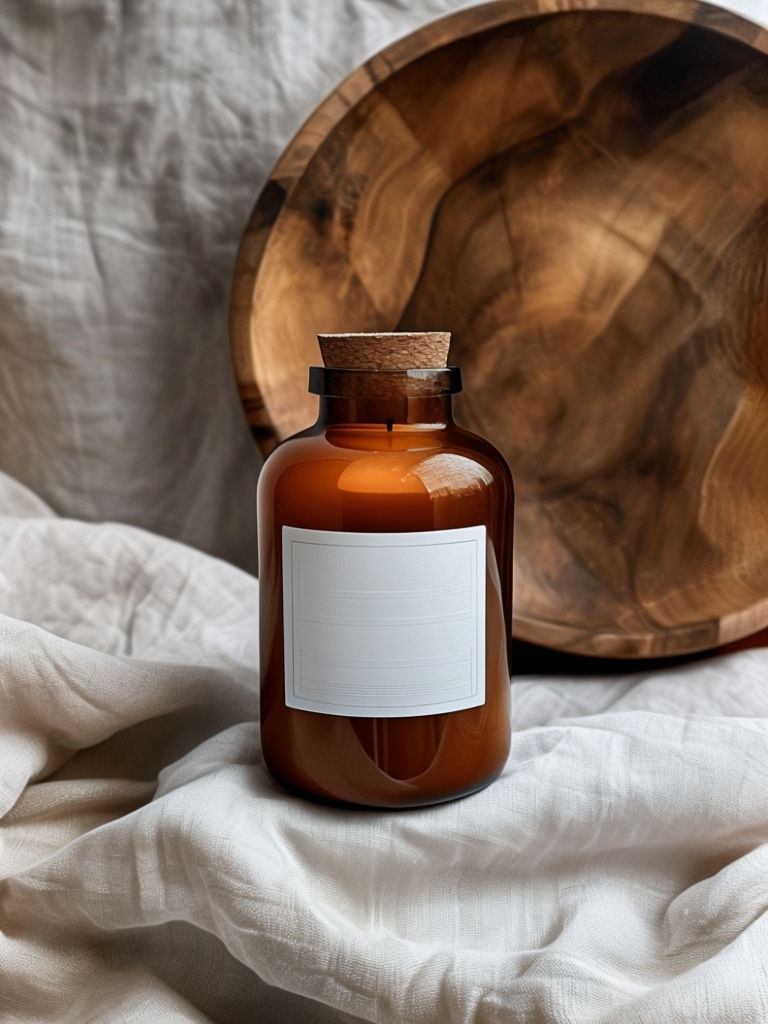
[389,424]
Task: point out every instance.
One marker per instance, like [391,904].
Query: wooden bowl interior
[581,198]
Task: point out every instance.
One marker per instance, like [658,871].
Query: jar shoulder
[455,450]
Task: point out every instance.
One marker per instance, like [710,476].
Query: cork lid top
[386,351]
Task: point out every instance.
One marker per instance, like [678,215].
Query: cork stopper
[393,351]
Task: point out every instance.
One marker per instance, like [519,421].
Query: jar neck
[385,396]
[388,411]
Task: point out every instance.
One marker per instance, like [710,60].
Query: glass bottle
[385,537]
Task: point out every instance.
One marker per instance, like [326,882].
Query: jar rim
[342,382]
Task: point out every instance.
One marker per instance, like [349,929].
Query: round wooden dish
[580,196]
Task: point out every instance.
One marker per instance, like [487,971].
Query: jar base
[373,804]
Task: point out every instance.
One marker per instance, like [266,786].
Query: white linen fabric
[136,138]
[151,869]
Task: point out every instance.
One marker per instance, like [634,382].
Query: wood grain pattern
[580,196]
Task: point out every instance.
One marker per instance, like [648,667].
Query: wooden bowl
[581,197]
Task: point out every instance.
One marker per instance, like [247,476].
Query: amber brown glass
[407,467]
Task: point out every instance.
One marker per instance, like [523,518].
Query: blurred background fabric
[136,138]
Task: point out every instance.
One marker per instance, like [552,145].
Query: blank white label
[387,625]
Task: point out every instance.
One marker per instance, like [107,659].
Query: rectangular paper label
[384,625]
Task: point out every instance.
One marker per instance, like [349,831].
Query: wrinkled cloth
[151,869]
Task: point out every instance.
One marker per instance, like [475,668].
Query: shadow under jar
[385,536]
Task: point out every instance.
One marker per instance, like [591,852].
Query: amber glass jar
[385,535]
